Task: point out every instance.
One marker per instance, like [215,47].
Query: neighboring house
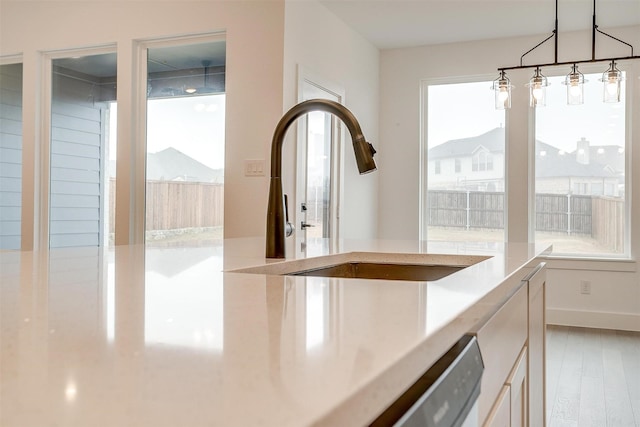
[577,172]
[173,165]
[477,164]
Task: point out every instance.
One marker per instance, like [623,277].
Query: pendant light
[538,89]
[612,79]
[502,90]
[575,86]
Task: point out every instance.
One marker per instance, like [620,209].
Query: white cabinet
[510,408]
[518,391]
[501,340]
[513,352]
[537,348]
[500,414]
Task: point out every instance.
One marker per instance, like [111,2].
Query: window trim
[424,145]
[132,134]
[627,254]
[519,124]
[42,175]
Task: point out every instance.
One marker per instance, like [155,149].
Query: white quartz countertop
[138,336]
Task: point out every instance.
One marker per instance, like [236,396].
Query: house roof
[492,141]
[173,165]
[611,155]
[556,165]
[550,160]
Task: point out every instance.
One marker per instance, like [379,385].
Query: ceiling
[164,59]
[403,23]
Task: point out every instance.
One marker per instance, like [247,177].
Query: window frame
[519,124]
[626,254]
[424,147]
[42,173]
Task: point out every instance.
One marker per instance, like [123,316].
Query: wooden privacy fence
[176,205]
[599,217]
[608,222]
[467,209]
[563,213]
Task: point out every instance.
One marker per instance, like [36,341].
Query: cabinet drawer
[501,340]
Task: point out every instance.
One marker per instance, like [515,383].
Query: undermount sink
[371,265]
[383,271]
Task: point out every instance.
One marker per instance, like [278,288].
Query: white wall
[254,34]
[321,43]
[615,297]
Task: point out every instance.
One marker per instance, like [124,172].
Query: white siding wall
[76,163]
[10,155]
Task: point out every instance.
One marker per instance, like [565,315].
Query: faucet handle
[288,227]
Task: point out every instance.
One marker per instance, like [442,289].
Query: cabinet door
[537,347]
[518,389]
[499,416]
[501,340]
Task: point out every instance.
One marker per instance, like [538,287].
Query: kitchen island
[144,336]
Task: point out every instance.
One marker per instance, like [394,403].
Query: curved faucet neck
[277,224]
[298,110]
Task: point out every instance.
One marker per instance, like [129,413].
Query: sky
[600,123]
[193,125]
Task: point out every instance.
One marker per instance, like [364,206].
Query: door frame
[308,78]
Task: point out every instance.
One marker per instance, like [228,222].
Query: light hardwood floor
[593,377]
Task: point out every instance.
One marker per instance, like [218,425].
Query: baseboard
[594,319]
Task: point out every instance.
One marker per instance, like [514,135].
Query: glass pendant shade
[538,89]
[575,86]
[502,91]
[612,79]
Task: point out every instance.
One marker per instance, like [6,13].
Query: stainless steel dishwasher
[445,395]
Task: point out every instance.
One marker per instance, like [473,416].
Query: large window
[465,164]
[580,172]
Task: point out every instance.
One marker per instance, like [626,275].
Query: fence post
[468,209]
[569,214]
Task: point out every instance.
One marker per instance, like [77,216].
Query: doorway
[318,177]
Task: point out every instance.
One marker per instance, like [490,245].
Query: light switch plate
[254,167]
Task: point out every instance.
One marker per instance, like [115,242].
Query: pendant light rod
[583,61]
[554,34]
[594,27]
[616,39]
